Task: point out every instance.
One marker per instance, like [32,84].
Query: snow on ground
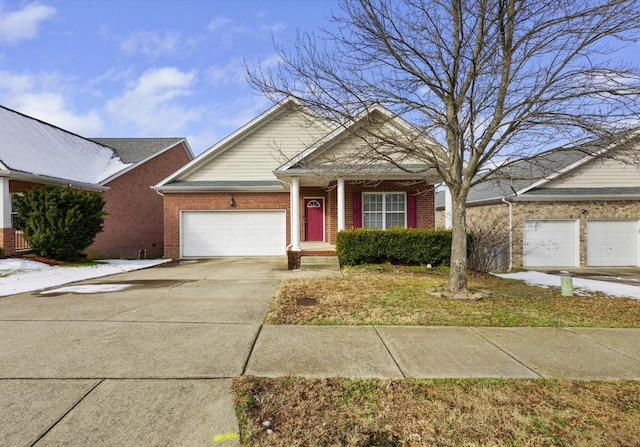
[580,285]
[21,275]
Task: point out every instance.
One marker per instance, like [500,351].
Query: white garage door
[233,233]
[612,243]
[551,243]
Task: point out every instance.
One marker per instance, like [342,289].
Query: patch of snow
[35,147]
[32,276]
[579,284]
[88,288]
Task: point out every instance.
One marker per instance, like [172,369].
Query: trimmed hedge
[396,245]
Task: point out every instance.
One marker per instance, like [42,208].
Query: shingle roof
[134,150]
[524,174]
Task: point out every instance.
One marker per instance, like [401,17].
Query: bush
[60,222]
[396,245]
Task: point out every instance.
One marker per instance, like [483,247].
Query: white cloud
[153,44]
[42,96]
[152,103]
[52,108]
[219,22]
[232,73]
[24,23]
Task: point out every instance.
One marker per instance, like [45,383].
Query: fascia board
[32,178]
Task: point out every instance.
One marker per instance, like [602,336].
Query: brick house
[272,187]
[33,153]
[577,208]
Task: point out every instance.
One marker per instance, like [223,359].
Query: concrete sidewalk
[152,364]
[446,352]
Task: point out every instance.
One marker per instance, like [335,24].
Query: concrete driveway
[146,366]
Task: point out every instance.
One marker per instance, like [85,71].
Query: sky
[154,68]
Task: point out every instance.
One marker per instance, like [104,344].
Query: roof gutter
[32,178]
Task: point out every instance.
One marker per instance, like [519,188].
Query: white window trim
[384,211]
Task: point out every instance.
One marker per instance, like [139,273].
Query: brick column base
[8,241]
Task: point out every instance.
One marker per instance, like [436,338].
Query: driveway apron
[148,365]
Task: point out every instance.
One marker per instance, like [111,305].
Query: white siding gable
[260,152]
[601,173]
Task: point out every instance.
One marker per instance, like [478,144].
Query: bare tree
[486,82]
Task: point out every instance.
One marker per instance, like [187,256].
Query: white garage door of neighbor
[233,233]
[612,243]
[551,243]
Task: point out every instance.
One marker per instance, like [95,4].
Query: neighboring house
[575,208]
[134,221]
[274,184]
[33,153]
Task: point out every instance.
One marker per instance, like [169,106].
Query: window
[14,213]
[384,210]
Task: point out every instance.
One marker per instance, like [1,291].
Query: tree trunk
[458,272]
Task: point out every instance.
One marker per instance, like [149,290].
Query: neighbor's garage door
[551,243]
[233,233]
[612,243]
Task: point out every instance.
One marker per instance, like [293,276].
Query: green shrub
[395,245]
[60,222]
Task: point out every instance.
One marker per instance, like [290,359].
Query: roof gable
[256,149]
[33,147]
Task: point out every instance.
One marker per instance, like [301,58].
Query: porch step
[319,263]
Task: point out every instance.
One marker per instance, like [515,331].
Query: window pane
[395,220]
[372,202]
[372,220]
[394,202]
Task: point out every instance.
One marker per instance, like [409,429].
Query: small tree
[60,222]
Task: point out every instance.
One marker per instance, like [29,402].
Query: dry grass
[342,412]
[396,295]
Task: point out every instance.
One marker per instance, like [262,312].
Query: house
[573,208]
[280,182]
[134,221]
[33,152]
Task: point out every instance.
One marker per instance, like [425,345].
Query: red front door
[314,219]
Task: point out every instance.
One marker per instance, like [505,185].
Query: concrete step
[319,263]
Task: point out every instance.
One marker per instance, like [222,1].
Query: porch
[310,249]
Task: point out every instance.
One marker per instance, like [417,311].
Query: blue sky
[121,68]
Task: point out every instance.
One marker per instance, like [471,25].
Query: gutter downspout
[510,205]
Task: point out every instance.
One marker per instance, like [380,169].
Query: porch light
[232,201]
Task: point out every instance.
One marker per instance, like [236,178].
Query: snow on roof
[34,147]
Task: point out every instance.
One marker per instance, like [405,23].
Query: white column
[448,209]
[295,214]
[5,203]
[340,204]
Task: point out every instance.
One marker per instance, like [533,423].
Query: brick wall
[134,218]
[174,203]
[496,216]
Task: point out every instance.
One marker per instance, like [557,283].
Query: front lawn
[479,412]
[400,295]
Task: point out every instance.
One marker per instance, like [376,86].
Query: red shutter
[357,210]
[412,211]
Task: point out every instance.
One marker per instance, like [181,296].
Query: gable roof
[391,121]
[177,179]
[530,176]
[136,150]
[33,150]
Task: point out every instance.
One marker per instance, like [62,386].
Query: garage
[612,243]
[551,243]
[233,233]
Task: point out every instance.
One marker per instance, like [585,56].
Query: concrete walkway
[152,365]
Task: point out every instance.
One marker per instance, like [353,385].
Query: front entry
[314,219]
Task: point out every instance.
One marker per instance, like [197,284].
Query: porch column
[295,214]
[340,204]
[7,233]
[5,203]
[448,209]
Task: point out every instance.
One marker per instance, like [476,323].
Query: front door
[314,219]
